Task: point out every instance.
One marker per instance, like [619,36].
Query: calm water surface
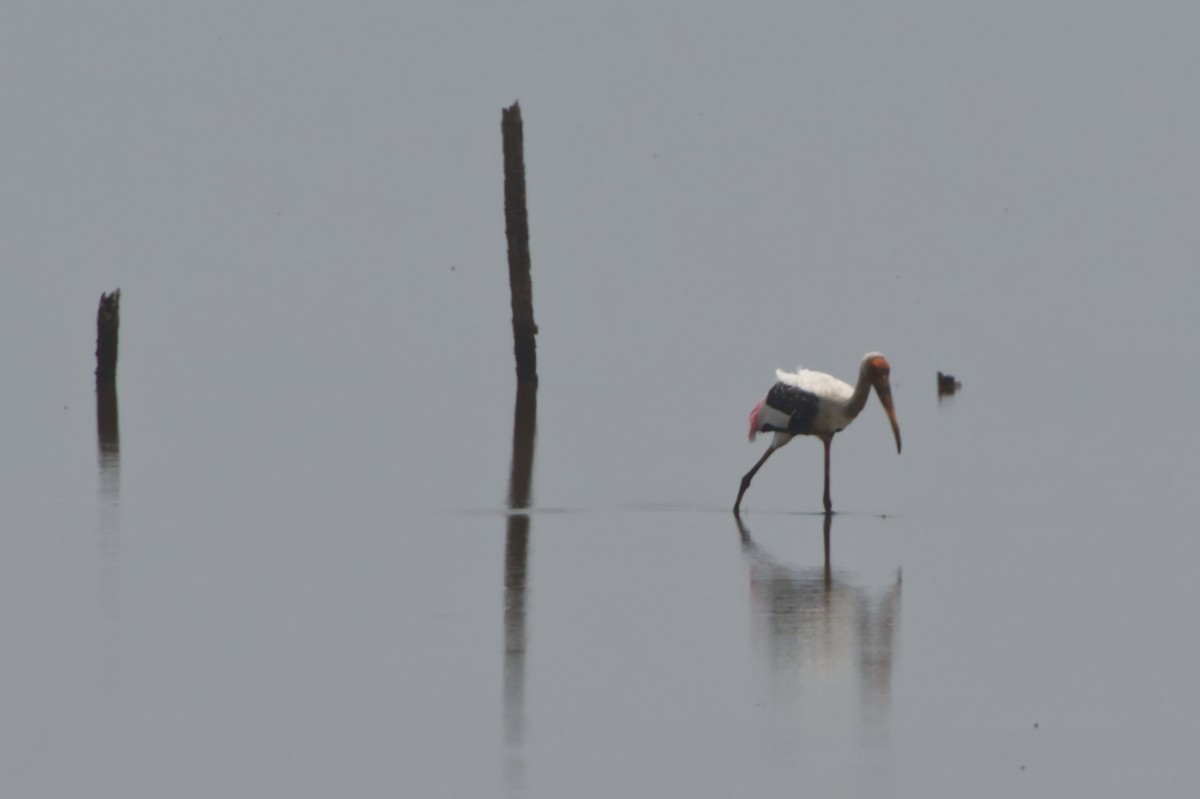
[303,552]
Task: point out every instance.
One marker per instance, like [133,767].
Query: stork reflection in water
[819,626]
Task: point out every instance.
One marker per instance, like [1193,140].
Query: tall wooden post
[516,553]
[516,225]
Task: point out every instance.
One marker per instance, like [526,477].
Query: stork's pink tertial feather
[754,420]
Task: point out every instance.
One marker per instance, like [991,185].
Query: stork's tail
[754,419]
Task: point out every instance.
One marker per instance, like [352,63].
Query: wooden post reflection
[516,573]
[108,426]
[108,434]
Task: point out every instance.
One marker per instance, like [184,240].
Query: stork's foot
[741,492]
[748,476]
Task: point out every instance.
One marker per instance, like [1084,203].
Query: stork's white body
[836,405]
[805,402]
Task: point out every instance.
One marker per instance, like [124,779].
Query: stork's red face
[879,369]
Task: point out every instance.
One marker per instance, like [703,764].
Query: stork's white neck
[862,390]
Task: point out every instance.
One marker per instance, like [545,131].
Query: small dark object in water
[947,384]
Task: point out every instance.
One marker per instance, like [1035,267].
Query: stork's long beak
[884,390]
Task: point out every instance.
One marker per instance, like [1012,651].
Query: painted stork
[806,403]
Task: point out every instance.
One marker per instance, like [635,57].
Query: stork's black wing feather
[798,404]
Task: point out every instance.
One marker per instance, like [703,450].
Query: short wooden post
[108,321]
[516,225]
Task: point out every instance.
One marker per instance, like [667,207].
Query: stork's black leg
[827,440]
[750,475]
